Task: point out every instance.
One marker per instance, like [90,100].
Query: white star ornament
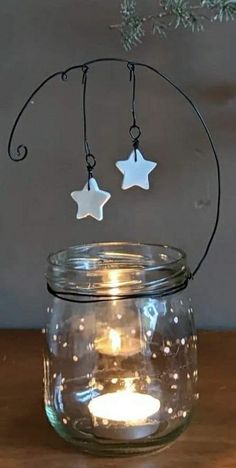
[135,172]
[90,202]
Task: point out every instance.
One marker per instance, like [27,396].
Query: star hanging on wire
[90,200]
[135,171]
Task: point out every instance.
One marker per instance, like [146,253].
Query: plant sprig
[171,14]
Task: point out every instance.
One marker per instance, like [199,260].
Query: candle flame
[115,339]
[129,385]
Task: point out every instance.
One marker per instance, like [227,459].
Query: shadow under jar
[120,364]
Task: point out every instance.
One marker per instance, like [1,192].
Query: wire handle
[135,132]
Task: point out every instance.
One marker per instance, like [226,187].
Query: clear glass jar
[120,364]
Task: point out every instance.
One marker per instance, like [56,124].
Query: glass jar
[120,364]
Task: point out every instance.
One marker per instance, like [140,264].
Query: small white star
[135,172]
[90,202]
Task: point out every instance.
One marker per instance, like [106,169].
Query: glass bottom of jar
[89,443]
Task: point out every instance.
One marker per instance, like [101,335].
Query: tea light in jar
[125,414]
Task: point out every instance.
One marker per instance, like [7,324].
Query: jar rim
[56,258]
[118,268]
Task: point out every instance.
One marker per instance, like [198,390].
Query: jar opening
[117,269]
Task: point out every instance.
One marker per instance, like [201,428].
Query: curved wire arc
[22,151]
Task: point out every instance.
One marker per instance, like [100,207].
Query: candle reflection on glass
[115,339]
[113,343]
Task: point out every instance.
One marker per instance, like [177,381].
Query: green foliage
[132,28]
[171,14]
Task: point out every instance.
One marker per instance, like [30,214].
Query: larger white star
[90,202]
[135,172]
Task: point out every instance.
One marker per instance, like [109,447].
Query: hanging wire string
[90,158]
[22,150]
[132,78]
[134,130]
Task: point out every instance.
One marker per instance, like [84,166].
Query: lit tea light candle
[124,414]
[113,344]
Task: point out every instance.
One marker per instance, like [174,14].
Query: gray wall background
[37,213]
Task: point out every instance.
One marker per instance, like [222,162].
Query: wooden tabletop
[28,441]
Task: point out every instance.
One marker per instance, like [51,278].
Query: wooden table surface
[28,441]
